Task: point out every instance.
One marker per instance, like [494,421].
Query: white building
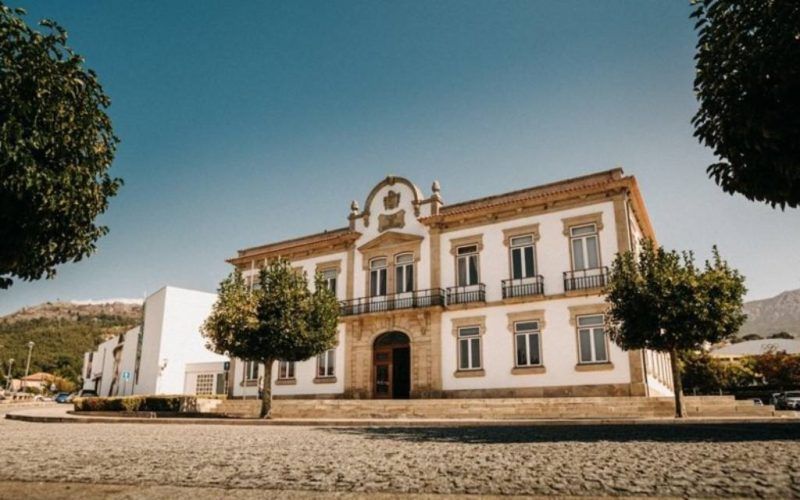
[153,358]
[496,297]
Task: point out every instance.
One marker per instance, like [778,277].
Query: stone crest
[390,221]
[391,200]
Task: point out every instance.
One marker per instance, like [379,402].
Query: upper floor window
[330,275]
[469,348]
[523,258]
[404,273]
[377,277]
[528,343]
[585,247]
[285,370]
[592,339]
[326,363]
[251,370]
[467,265]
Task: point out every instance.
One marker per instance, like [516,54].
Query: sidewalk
[60,414]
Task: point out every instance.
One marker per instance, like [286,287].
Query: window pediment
[390,239]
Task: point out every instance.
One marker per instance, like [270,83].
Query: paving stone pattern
[667,460]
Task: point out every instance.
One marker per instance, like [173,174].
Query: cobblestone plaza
[705,460]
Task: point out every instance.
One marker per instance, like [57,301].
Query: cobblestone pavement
[666,460]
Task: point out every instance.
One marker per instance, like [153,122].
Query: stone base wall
[563,391]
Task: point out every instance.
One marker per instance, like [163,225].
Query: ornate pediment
[390,239]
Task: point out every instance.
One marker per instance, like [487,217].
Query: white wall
[181,341]
[552,249]
[154,307]
[559,350]
[214,368]
[305,373]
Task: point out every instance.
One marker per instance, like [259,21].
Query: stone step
[501,408]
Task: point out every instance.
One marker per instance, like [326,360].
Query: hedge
[138,403]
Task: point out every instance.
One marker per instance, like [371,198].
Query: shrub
[138,403]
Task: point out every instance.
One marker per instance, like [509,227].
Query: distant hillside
[777,314]
[62,332]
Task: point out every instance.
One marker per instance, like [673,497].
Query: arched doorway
[391,361]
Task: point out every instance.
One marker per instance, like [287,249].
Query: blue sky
[249,122]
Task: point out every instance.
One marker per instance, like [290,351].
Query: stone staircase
[499,408]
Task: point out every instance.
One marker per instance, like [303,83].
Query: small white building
[165,355]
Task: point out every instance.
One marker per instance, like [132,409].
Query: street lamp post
[8,378]
[28,364]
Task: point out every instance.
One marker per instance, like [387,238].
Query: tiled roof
[299,241]
[755,347]
[564,186]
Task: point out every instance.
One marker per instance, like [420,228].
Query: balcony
[521,287]
[393,302]
[585,279]
[466,294]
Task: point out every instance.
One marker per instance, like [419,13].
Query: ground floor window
[592,343]
[469,348]
[205,383]
[528,343]
[251,370]
[285,370]
[326,363]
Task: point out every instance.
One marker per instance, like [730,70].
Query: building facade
[496,297]
[166,354]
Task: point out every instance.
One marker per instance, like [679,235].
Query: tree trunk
[677,385]
[266,396]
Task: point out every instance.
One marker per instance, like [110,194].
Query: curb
[400,422]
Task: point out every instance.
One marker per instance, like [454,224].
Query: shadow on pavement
[679,433]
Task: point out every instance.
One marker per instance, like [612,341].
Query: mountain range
[780,313]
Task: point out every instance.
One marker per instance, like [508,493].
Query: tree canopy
[748,86]
[660,300]
[280,320]
[56,146]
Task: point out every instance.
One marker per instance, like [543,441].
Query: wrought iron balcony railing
[521,287]
[466,293]
[383,303]
[585,279]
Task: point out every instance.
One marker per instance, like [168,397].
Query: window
[592,339]
[285,370]
[585,250]
[205,383]
[522,257]
[469,348]
[467,265]
[404,273]
[326,363]
[251,370]
[527,343]
[377,277]
[329,275]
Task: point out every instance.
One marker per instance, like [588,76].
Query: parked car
[87,393]
[789,400]
[773,399]
[758,402]
[62,397]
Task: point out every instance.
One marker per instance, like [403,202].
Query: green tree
[777,368]
[56,146]
[281,320]
[662,301]
[781,335]
[748,86]
[752,336]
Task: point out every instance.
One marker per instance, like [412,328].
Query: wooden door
[382,373]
